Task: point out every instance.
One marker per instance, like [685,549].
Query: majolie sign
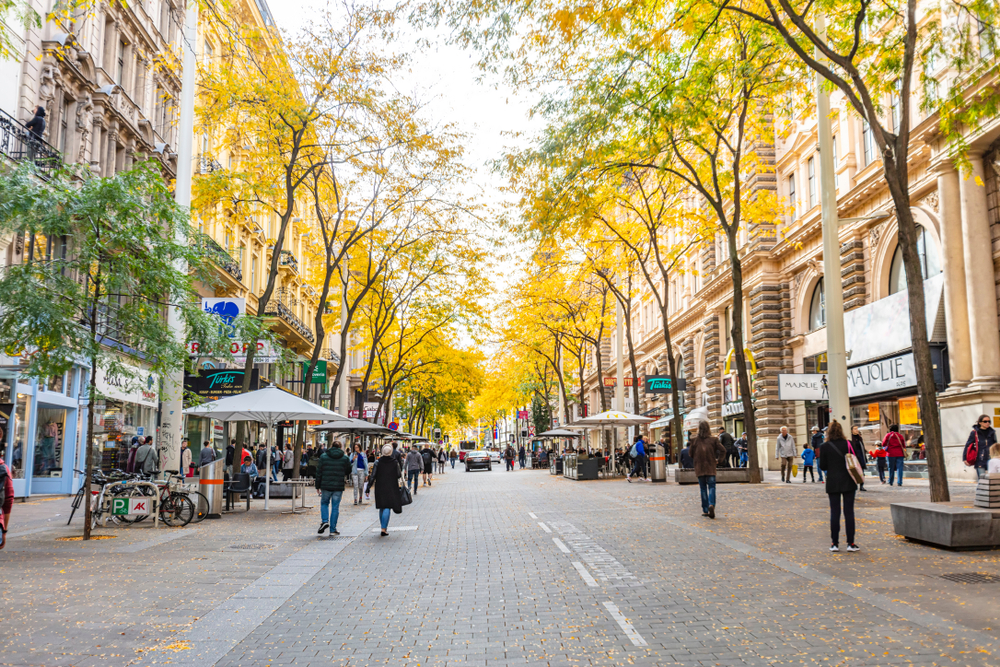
[875,377]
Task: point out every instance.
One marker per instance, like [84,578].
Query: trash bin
[658,464]
[211,486]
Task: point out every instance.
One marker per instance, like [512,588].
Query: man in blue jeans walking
[332,469]
[706,452]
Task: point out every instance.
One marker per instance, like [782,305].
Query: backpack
[634,452]
[3,494]
[972,451]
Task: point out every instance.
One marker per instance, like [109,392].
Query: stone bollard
[988,492]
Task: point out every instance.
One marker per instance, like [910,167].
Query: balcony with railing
[208,165]
[18,143]
[219,256]
[287,259]
[282,306]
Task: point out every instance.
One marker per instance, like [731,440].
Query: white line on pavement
[532,515]
[544,527]
[562,547]
[394,529]
[624,624]
[584,574]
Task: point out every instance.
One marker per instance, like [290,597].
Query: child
[880,455]
[993,465]
[807,464]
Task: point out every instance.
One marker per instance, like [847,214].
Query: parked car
[496,456]
[478,459]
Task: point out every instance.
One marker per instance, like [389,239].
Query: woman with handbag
[838,460]
[980,440]
[385,477]
[859,451]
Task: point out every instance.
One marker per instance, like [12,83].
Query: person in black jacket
[428,456]
[385,476]
[858,443]
[986,437]
[840,486]
[332,469]
[37,124]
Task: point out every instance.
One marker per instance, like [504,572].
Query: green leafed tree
[103,259]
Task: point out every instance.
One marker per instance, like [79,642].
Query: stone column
[956,304]
[984,336]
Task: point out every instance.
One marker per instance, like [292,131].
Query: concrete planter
[949,525]
[722,476]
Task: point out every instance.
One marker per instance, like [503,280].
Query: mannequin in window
[46,449]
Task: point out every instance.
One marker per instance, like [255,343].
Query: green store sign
[319,372]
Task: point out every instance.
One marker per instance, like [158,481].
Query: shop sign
[221,382]
[909,410]
[141,388]
[319,372]
[873,414]
[522,414]
[266,353]
[662,384]
[125,506]
[882,376]
[803,387]
[613,382]
[732,409]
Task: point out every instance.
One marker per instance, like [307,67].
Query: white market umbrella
[348,424]
[612,418]
[270,406]
[559,433]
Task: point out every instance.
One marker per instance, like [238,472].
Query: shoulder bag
[853,467]
[404,492]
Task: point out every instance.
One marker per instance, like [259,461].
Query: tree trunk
[749,420]
[89,447]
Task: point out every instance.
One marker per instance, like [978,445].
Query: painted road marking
[394,529]
[562,547]
[624,624]
[532,515]
[544,527]
[584,574]
[606,567]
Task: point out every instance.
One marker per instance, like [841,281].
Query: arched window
[930,262]
[817,307]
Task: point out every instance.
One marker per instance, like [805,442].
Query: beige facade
[959,216]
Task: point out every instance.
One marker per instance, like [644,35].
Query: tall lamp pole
[836,355]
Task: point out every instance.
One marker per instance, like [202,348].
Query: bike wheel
[77,501]
[177,510]
[200,506]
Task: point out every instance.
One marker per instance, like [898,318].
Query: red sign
[393,426]
[611,382]
[314,422]
[353,414]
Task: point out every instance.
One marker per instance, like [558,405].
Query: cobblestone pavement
[505,568]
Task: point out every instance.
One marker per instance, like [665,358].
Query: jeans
[819,469]
[383,516]
[520,461]
[453,464]
[412,479]
[510,464]
[329,509]
[639,466]
[896,465]
[358,477]
[835,516]
[744,459]
[980,473]
[881,470]
[707,485]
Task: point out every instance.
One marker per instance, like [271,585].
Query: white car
[495,456]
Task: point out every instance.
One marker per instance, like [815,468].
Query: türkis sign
[662,384]
[221,382]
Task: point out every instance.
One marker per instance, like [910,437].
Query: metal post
[836,356]
[619,341]
[345,362]
[172,404]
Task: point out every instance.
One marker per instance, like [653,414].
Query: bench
[950,525]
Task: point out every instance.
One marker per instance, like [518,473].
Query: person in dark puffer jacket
[332,469]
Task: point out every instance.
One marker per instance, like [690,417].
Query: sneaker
[834,547]
[337,532]
[711,511]
[628,478]
[704,513]
[323,526]
[853,547]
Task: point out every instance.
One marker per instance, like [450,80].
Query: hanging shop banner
[873,413]
[220,382]
[887,375]
[142,387]
[909,410]
[803,387]
[228,309]
[613,382]
[319,372]
[266,353]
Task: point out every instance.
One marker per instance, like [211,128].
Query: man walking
[414,464]
[730,446]
[815,442]
[147,460]
[508,456]
[785,451]
[521,456]
[230,453]
[744,450]
[706,451]
[638,453]
[332,469]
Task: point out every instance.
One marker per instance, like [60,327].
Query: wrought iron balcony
[331,355]
[280,306]
[288,259]
[18,143]
[219,256]
[207,165]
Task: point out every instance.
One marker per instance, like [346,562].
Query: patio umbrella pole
[267,478]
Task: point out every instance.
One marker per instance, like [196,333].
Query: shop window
[791,194]
[867,142]
[16,459]
[49,443]
[817,307]
[55,383]
[930,262]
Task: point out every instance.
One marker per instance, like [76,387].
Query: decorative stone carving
[85,123]
[875,233]
[931,201]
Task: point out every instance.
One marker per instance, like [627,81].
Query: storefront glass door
[48,475]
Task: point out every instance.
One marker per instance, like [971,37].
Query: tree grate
[250,547]
[972,578]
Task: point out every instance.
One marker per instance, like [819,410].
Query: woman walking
[385,477]
[983,436]
[859,451]
[706,451]
[359,472]
[840,486]
[442,460]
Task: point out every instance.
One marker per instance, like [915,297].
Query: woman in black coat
[983,434]
[840,486]
[385,476]
[859,451]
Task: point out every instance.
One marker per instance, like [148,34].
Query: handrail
[19,143]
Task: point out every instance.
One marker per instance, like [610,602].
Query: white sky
[445,78]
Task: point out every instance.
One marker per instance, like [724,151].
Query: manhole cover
[250,547]
[972,578]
